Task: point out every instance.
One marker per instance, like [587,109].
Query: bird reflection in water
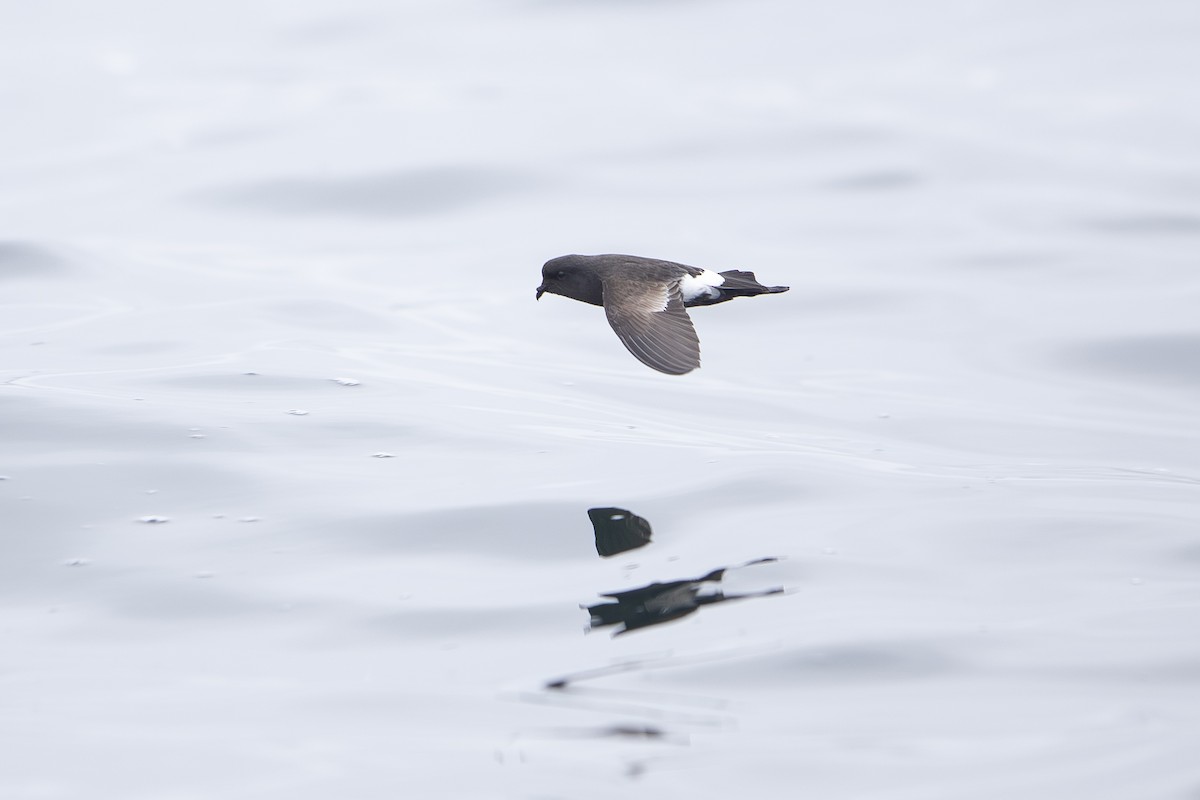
[618,530]
[657,603]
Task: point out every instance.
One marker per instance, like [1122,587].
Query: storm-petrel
[644,299]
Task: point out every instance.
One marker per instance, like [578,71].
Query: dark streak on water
[872,661]
[883,180]
[1170,359]
[412,192]
[1149,224]
[22,260]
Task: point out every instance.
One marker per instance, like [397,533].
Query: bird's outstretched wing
[649,317]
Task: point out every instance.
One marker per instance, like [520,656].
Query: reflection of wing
[649,317]
[643,594]
[647,605]
[656,603]
[618,530]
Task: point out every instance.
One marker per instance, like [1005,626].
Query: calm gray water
[296,471]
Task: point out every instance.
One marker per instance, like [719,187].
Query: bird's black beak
[541,290]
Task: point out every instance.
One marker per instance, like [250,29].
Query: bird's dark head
[574,277]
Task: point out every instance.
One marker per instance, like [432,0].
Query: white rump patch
[700,285]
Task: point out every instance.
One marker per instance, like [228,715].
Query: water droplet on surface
[297,412]
[197,436]
[154,520]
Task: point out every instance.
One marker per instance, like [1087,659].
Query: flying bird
[646,299]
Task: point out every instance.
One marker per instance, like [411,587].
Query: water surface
[296,471]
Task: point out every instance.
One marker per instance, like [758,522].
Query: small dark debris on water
[634,731]
[618,530]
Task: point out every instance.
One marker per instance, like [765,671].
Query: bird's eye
[560,274]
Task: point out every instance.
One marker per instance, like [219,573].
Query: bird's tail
[738,283]
[742,283]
